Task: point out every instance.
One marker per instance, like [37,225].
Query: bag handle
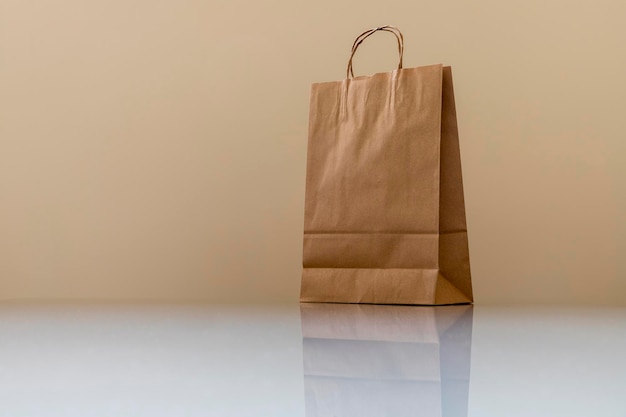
[359,39]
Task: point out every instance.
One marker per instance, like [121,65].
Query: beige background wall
[156,149]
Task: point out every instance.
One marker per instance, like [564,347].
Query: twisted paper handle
[359,39]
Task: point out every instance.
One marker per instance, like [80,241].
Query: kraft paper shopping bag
[384,217]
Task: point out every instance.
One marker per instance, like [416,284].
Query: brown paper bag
[384,217]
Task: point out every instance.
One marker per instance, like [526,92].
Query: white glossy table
[310,360]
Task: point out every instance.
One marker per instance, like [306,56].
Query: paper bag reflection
[375,360]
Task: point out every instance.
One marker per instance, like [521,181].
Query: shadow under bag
[384,219]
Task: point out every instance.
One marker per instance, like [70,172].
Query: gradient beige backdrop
[156,149]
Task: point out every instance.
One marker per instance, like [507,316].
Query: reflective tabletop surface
[310,360]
